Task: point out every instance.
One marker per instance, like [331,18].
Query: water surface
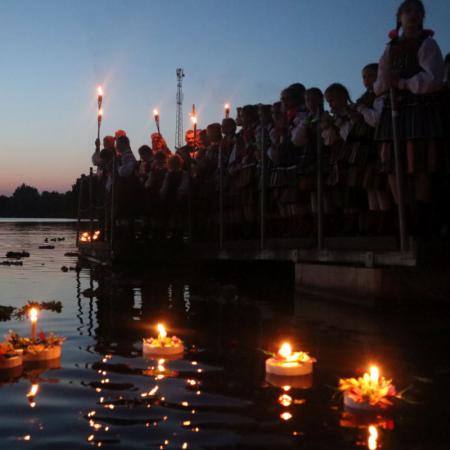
[106,394]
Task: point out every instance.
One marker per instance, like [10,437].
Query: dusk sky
[55,53]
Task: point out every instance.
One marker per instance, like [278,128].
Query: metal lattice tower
[179,119]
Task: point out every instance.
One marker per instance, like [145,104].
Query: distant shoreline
[36,220]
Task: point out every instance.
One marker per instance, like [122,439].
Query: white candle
[290,364]
[33,318]
[162,345]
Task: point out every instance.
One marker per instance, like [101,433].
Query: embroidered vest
[403,56]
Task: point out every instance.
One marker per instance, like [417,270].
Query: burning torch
[194,124]
[156,117]
[227,110]
[99,110]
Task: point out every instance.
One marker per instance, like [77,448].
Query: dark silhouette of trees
[26,201]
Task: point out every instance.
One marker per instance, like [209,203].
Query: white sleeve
[127,166]
[432,76]
[381,84]
[372,115]
[345,128]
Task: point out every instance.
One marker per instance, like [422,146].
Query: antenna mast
[179,119]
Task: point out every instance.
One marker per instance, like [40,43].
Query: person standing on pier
[412,67]
[128,188]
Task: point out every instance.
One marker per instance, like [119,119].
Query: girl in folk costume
[142,171]
[350,143]
[228,146]
[263,144]
[305,139]
[144,164]
[153,187]
[412,64]
[173,193]
[242,168]
[284,179]
[369,107]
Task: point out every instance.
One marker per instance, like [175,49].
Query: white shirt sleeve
[432,76]
[381,84]
[345,128]
[372,115]
[127,164]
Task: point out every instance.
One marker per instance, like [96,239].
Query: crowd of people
[278,143]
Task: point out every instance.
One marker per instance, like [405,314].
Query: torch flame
[161,330]
[194,120]
[99,91]
[155,112]
[373,437]
[374,374]
[33,314]
[100,113]
[285,350]
[227,106]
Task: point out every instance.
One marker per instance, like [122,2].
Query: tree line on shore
[27,201]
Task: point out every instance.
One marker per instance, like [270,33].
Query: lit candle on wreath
[287,363]
[38,347]
[162,345]
[33,318]
[371,392]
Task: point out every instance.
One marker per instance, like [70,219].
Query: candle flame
[374,374]
[155,112]
[161,330]
[285,350]
[99,91]
[33,314]
[372,443]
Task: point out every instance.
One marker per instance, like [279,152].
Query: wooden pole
[398,172]
[320,233]
[262,241]
[80,203]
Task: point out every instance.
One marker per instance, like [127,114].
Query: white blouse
[425,82]
[372,115]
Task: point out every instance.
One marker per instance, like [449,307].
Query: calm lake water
[217,396]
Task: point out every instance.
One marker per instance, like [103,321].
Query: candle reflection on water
[372,440]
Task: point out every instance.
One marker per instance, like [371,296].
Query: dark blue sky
[54,53]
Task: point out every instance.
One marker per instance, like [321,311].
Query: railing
[108,209]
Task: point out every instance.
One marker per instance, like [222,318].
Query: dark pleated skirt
[421,117]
